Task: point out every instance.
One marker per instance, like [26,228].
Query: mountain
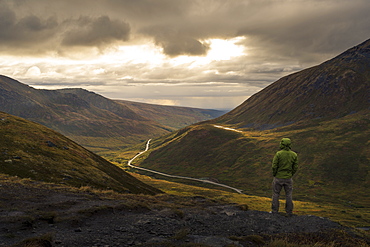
[175,117]
[330,90]
[325,110]
[30,150]
[92,120]
[87,118]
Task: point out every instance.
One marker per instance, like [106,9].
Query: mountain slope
[335,88]
[174,117]
[30,150]
[332,154]
[92,120]
[332,140]
[85,117]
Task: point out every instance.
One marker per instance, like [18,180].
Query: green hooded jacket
[285,162]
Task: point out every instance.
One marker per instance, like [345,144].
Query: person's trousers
[277,185]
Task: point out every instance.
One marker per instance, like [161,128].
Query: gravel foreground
[84,219]
[212,226]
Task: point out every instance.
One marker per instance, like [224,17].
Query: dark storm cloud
[305,30]
[30,31]
[87,31]
[308,31]
[175,44]
[25,30]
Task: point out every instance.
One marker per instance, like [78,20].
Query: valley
[325,110]
[250,165]
[206,163]
[175,176]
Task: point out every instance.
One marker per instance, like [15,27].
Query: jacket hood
[285,143]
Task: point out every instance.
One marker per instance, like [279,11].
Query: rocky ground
[212,226]
[58,216]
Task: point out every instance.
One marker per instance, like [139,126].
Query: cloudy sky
[198,53]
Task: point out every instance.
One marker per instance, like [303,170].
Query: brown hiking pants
[277,185]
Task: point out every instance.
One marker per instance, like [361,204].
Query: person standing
[284,166]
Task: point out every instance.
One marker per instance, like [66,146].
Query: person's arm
[275,165]
[295,165]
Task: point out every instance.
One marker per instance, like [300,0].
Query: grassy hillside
[30,150]
[174,117]
[333,158]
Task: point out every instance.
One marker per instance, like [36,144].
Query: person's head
[285,143]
